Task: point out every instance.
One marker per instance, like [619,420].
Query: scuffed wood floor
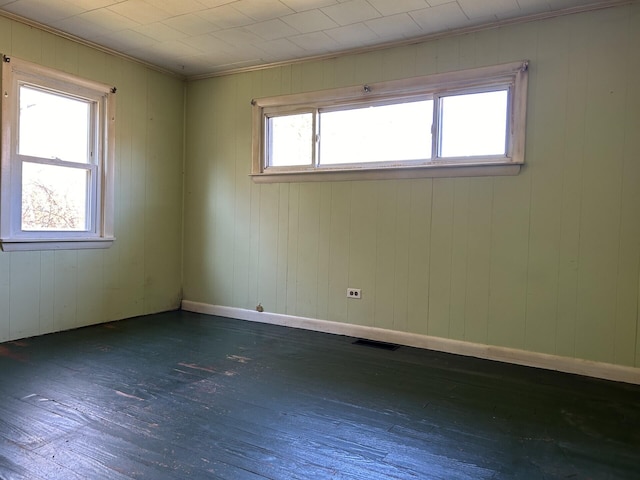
[186,396]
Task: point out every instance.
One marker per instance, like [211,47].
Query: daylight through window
[58,193]
[472,118]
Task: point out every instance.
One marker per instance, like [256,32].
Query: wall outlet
[354,293]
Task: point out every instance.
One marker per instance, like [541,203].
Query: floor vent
[374,344]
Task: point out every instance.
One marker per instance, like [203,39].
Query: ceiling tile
[190,24]
[356,35]
[159,32]
[139,11]
[178,7]
[282,49]
[315,43]
[215,3]
[43,11]
[310,21]
[304,5]
[385,7]
[237,36]
[441,18]
[204,36]
[352,11]
[261,10]
[208,43]
[273,29]
[225,17]
[487,8]
[91,4]
[395,27]
[95,23]
[125,40]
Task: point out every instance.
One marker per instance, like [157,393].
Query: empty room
[320,239]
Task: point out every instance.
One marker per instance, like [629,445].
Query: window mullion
[315,155]
[436,127]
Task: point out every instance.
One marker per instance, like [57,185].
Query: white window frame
[100,204]
[512,76]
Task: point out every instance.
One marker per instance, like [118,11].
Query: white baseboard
[607,371]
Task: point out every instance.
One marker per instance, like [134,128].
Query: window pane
[474,124]
[291,140]
[53,126]
[54,197]
[376,134]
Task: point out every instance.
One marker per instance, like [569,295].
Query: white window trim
[101,235]
[512,74]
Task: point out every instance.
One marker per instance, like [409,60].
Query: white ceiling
[200,37]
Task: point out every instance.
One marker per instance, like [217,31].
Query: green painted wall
[41,292]
[548,261]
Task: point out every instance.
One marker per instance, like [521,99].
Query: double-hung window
[57,160]
[469,122]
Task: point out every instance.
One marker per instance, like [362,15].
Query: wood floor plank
[180,395]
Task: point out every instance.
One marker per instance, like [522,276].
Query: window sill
[23,245]
[431,171]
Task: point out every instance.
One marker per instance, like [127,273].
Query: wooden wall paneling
[545,156]
[362,251]
[368,68]
[24,306]
[401,256]
[6,34]
[324,251]
[281,249]
[66,53]
[399,63]
[426,58]
[293,237]
[339,248]
[385,258]
[459,257]
[133,195]
[65,313]
[312,76]
[163,195]
[308,247]
[243,156]
[344,68]
[243,87]
[467,51]
[268,247]
[440,257]
[420,212]
[487,43]
[99,66]
[26,42]
[448,54]
[511,216]
[49,54]
[232,194]
[5,296]
[601,187]
[46,299]
[635,69]
[479,236]
[118,295]
[570,207]
[627,324]
[91,303]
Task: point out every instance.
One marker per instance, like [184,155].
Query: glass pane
[53,197]
[291,140]
[53,126]
[377,134]
[474,124]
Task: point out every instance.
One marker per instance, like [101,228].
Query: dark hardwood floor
[187,396]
